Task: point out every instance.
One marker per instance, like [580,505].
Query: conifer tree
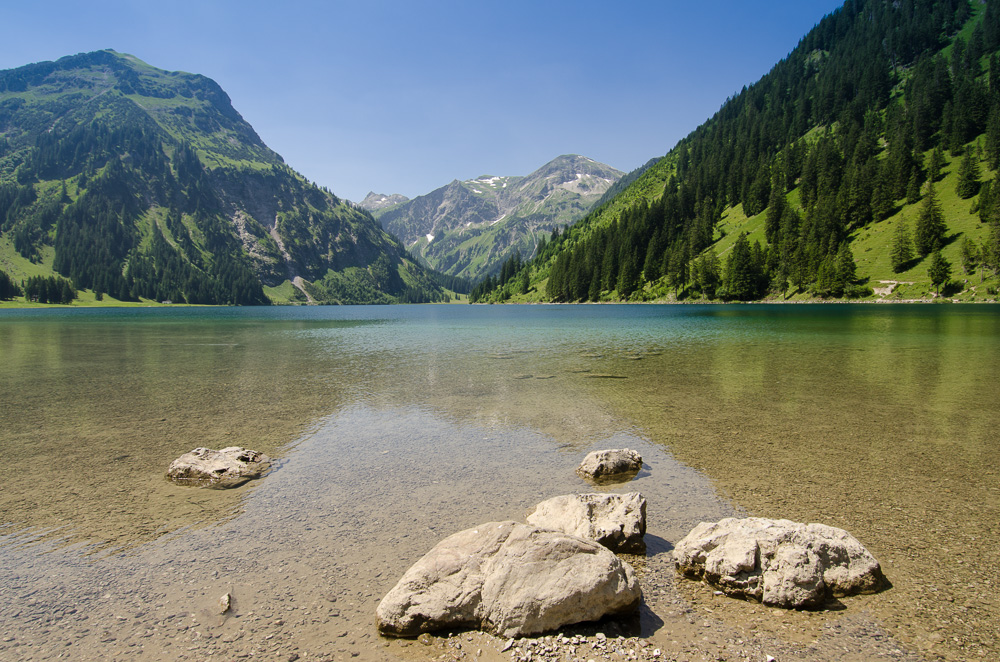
[846,267]
[930,224]
[939,270]
[775,207]
[628,275]
[993,133]
[882,200]
[901,251]
[968,175]
[989,254]
[913,188]
[970,255]
[742,273]
[935,163]
[707,273]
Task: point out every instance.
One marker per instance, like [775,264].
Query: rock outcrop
[610,463]
[229,467]
[510,580]
[779,562]
[617,521]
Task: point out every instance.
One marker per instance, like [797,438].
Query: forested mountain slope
[133,182]
[469,228]
[855,160]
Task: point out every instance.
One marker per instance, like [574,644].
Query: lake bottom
[315,544]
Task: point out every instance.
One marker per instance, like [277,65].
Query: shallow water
[396,426]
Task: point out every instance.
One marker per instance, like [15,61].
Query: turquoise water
[394,426]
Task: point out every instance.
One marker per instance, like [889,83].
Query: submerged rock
[617,521]
[779,562]
[229,467]
[510,580]
[611,462]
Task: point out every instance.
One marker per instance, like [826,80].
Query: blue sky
[404,96]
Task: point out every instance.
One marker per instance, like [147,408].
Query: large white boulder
[229,467]
[511,580]
[617,521]
[778,562]
[610,462]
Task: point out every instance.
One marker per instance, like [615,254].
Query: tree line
[854,123]
[38,289]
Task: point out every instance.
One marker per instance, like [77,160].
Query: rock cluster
[778,562]
[617,462]
[229,467]
[516,580]
[511,580]
[617,521]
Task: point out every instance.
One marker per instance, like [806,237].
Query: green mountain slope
[469,228]
[795,188]
[141,183]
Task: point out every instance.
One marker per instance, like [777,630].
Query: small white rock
[225,603]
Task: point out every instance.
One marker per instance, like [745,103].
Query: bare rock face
[611,462]
[617,521]
[510,580]
[779,562]
[229,467]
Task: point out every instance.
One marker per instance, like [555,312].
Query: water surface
[395,426]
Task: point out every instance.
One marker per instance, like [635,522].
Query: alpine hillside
[136,183]
[862,166]
[469,228]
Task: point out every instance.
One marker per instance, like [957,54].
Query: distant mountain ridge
[137,182]
[378,203]
[469,228]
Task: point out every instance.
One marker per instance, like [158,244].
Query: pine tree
[970,255]
[882,200]
[913,188]
[901,251]
[628,275]
[707,273]
[846,267]
[936,162]
[968,175]
[930,224]
[993,134]
[939,270]
[989,254]
[775,207]
[742,273]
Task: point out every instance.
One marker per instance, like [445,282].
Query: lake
[393,427]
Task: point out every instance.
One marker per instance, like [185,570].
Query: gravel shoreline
[100,618]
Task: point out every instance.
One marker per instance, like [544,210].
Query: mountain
[469,228]
[379,203]
[861,166]
[141,183]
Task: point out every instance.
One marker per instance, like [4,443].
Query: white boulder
[617,521]
[229,467]
[778,562]
[510,580]
[610,462]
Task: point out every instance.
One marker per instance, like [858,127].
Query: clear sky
[403,96]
